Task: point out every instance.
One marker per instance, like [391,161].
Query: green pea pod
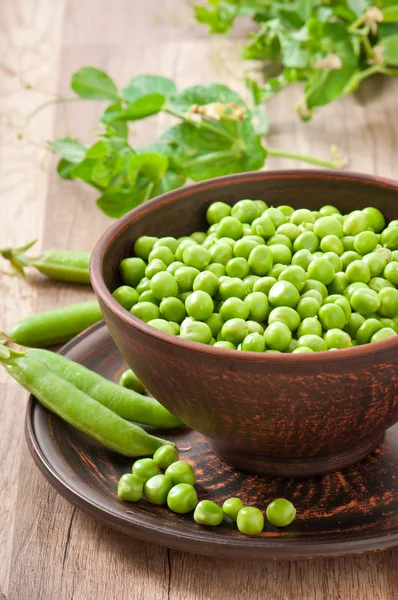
[78,408]
[124,402]
[55,326]
[60,265]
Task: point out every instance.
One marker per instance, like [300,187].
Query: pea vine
[216,133]
[331,46]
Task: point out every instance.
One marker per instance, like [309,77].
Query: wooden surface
[47,549]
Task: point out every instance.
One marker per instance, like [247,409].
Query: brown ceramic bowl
[282,414]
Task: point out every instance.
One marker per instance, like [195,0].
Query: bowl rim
[105,296]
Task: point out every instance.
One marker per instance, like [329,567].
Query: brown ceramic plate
[341,513]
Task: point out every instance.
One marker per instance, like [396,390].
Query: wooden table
[48,549]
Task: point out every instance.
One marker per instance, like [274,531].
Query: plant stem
[210,157]
[367,46]
[334,164]
[148,191]
[46,104]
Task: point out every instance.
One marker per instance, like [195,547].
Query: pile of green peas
[175,487]
[266,279]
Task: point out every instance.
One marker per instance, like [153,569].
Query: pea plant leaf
[71,150]
[94,84]
[390,49]
[202,95]
[144,85]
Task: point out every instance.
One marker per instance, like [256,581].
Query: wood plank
[47,548]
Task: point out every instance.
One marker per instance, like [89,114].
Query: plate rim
[246,548]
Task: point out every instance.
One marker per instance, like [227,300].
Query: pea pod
[60,265]
[77,408]
[55,326]
[124,402]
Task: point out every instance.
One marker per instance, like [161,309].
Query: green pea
[235,330]
[126,296]
[358,271]
[276,270]
[264,284]
[145,468]
[286,210]
[302,215]
[172,309]
[132,270]
[217,268]
[355,223]
[280,512]
[215,322]
[253,342]
[327,226]
[196,332]
[321,270]
[129,379]
[306,227]
[335,260]
[245,211]
[388,254]
[314,342]
[289,230]
[295,275]
[181,472]
[378,283]
[208,513]
[286,315]
[280,239]
[183,245]
[388,302]
[335,338]
[196,257]
[315,294]
[231,507]
[365,242]
[217,211]
[199,236]
[144,245]
[229,227]
[308,240]
[157,488]
[365,301]
[375,218]
[280,255]
[283,293]
[383,334]
[221,253]
[339,283]
[232,287]
[225,345]
[243,248]
[328,210]
[302,350]
[376,263]
[260,260]
[182,498]
[235,308]
[163,285]
[389,238]
[391,272]
[350,289]
[307,307]
[162,253]
[367,330]
[130,488]
[354,323]
[250,520]
[309,326]
[185,276]
[172,268]
[277,336]
[261,205]
[255,327]
[154,267]
[263,227]
[257,305]
[165,456]
[249,281]
[168,242]
[302,258]
[276,216]
[292,345]
[348,257]
[162,325]
[332,243]
[332,316]
[146,311]
[237,267]
[348,242]
[144,285]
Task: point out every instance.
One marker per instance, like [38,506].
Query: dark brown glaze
[286,415]
[341,513]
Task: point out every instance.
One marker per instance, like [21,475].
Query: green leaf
[261,121]
[70,149]
[84,171]
[152,165]
[219,20]
[64,168]
[193,138]
[98,150]
[295,56]
[390,49]
[139,109]
[203,94]
[144,85]
[329,85]
[171,180]
[358,6]
[93,84]
[116,202]
[304,8]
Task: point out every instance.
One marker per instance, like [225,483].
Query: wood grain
[46,549]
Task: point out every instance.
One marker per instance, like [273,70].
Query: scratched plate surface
[348,512]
